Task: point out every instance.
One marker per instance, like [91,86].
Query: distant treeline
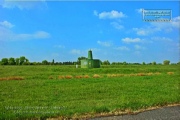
[24,61]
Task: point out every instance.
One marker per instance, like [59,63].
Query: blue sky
[64,31]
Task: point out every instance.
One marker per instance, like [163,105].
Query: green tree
[106,62]
[4,61]
[124,63]
[17,61]
[113,63]
[45,62]
[154,63]
[150,63]
[22,59]
[26,62]
[166,62]
[53,62]
[144,63]
[12,61]
[34,63]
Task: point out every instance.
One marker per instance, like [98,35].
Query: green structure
[90,62]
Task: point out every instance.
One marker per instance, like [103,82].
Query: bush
[166,62]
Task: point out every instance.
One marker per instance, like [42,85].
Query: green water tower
[90,57]
[90,62]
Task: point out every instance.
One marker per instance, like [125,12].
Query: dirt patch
[12,78]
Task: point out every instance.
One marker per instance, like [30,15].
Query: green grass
[40,96]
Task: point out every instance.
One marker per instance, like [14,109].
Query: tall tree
[26,60]
[106,62]
[154,63]
[4,61]
[17,61]
[12,61]
[22,59]
[45,62]
[166,62]
[53,62]
[124,63]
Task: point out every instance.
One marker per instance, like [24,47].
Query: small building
[90,62]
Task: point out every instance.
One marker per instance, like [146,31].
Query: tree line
[24,61]
[15,61]
[165,62]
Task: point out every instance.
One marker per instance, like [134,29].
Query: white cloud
[59,46]
[131,40]
[168,26]
[40,34]
[117,25]
[23,4]
[158,27]
[110,15]
[8,35]
[96,49]
[137,53]
[6,24]
[163,39]
[36,35]
[106,44]
[139,10]
[175,22]
[146,31]
[5,33]
[123,48]
[141,31]
[75,51]
[138,47]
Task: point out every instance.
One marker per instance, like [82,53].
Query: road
[165,113]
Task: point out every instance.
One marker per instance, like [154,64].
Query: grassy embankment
[51,91]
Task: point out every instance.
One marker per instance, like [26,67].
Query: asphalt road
[165,113]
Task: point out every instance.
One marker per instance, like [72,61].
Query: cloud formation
[146,30]
[131,40]
[23,4]
[6,24]
[109,15]
[163,39]
[117,25]
[6,34]
[139,10]
[168,26]
[158,27]
[123,48]
[59,46]
[76,52]
[105,44]
[138,47]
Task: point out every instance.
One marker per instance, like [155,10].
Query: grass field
[66,92]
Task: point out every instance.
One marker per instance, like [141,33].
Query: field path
[165,113]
